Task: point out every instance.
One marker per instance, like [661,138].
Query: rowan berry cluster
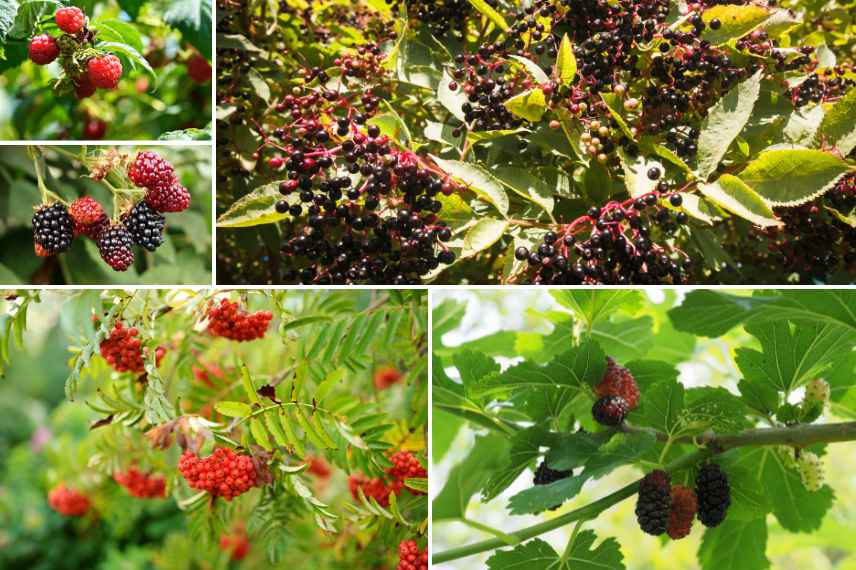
[410,557]
[236,544]
[319,467]
[68,501]
[124,351]
[86,68]
[141,485]
[229,320]
[405,465]
[223,474]
[387,376]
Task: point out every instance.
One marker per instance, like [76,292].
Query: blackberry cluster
[620,246]
[68,502]
[714,495]
[410,557]
[223,474]
[141,485]
[654,505]
[405,465]
[228,320]
[610,410]
[146,225]
[618,381]
[684,508]
[52,228]
[124,351]
[236,544]
[387,376]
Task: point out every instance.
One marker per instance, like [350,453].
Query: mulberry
[654,506]
[811,470]
[684,507]
[544,476]
[618,381]
[610,410]
[714,495]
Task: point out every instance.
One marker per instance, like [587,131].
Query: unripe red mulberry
[684,507]
[618,381]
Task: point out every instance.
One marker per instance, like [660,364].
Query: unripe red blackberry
[610,410]
[67,501]
[714,495]
[115,246]
[684,508]
[410,557]
[150,170]
[228,320]
[86,211]
[174,198]
[52,228]
[618,381]
[43,49]
[654,505]
[145,226]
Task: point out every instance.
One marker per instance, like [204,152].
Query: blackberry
[714,495]
[114,245]
[610,410]
[654,505]
[52,228]
[145,225]
[544,476]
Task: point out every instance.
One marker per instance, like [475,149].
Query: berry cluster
[405,465]
[410,557]
[228,320]
[223,474]
[319,467]
[124,351]
[714,494]
[86,67]
[386,376]
[141,485]
[236,544]
[439,16]
[617,394]
[67,501]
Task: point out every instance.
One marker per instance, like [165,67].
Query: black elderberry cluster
[714,495]
[822,86]
[145,225]
[487,84]
[52,228]
[654,504]
[439,16]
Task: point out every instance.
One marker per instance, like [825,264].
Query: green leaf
[711,313]
[392,125]
[724,121]
[490,13]
[592,305]
[613,105]
[713,408]
[260,433]
[236,41]
[259,85]
[233,409]
[625,339]
[527,185]
[647,373]
[482,235]
[661,407]
[473,367]
[130,53]
[193,19]
[120,32]
[607,555]
[478,180]
[636,173]
[529,105]
[533,68]
[8,11]
[255,209]
[793,177]
[736,21]
[453,101]
[838,127]
[735,196]
[566,63]
[444,429]
[736,545]
[538,555]
[533,555]
[525,447]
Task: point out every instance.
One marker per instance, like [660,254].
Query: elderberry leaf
[528,185]
[838,127]
[533,68]
[735,196]
[736,545]
[478,180]
[790,177]
[566,63]
[482,235]
[256,208]
[736,21]
[487,11]
[529,105]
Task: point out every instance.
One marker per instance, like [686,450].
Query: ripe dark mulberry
[654,506]
[714,495]
[52,228]
[114,244]
[145,226]
[544,476]
[618,381]
[684,507]
[610,410]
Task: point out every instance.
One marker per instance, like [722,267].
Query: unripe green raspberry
[811,470]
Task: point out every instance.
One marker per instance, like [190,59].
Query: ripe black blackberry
[145,226]
[714,495]
[115,246]
[52,228]
[654,505]
[610,410]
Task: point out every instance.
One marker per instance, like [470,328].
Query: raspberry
[811,470]
[223,474]
[174,198]
[236,544]
[653,508]
[410,557]
[43,49]
[544,476]
[86,211]
[70,20]
[714,495]
[386,376]
[684,507]
[94,129]
[114,243]
[124,351]
[52,228]
[104,71]
[83,87]
[319,467]
[228,320]
[149,170]
[145,226]
[68,502]
[618,381]
[610,410]
[141,485]
[199,69]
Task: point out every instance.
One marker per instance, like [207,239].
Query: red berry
[105,71]
[236,544]
[684,507]
[386,376]
[222,474]
[40,251]
[124,351]
[86,211]
[410,557]
[43,49]
[94,129]
[141,485]
[228,320]
[70,20]
[83,87]
[149,170]
[68,501]
[175,198]
[199,69]
[115,245]
[319,467]
[618,381]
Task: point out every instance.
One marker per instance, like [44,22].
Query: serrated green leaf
[486,10]
[257,428]
[736,21]
[838,127]
[735,196]
[529,105]
[533,68]
[735,544]
[233,409]
[478,180]
[566,63]
[482,235]
[256,208]
[793,177]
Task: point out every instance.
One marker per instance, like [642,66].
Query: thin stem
[570,547]
[490,530]
[39,167]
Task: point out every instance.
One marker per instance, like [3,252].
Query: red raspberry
[684,507]
[94,129]
[83,87]
[124,351]
[199,69]
[386,376]
[410,557]
[141,485]
[67,501]
[618,381]
[222,474]
[70,20]
[174,198]
[150,170]
[105,71]
[319,467]
[43,49]
[228,320]
[236,544]
[115,245]
[86,211]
